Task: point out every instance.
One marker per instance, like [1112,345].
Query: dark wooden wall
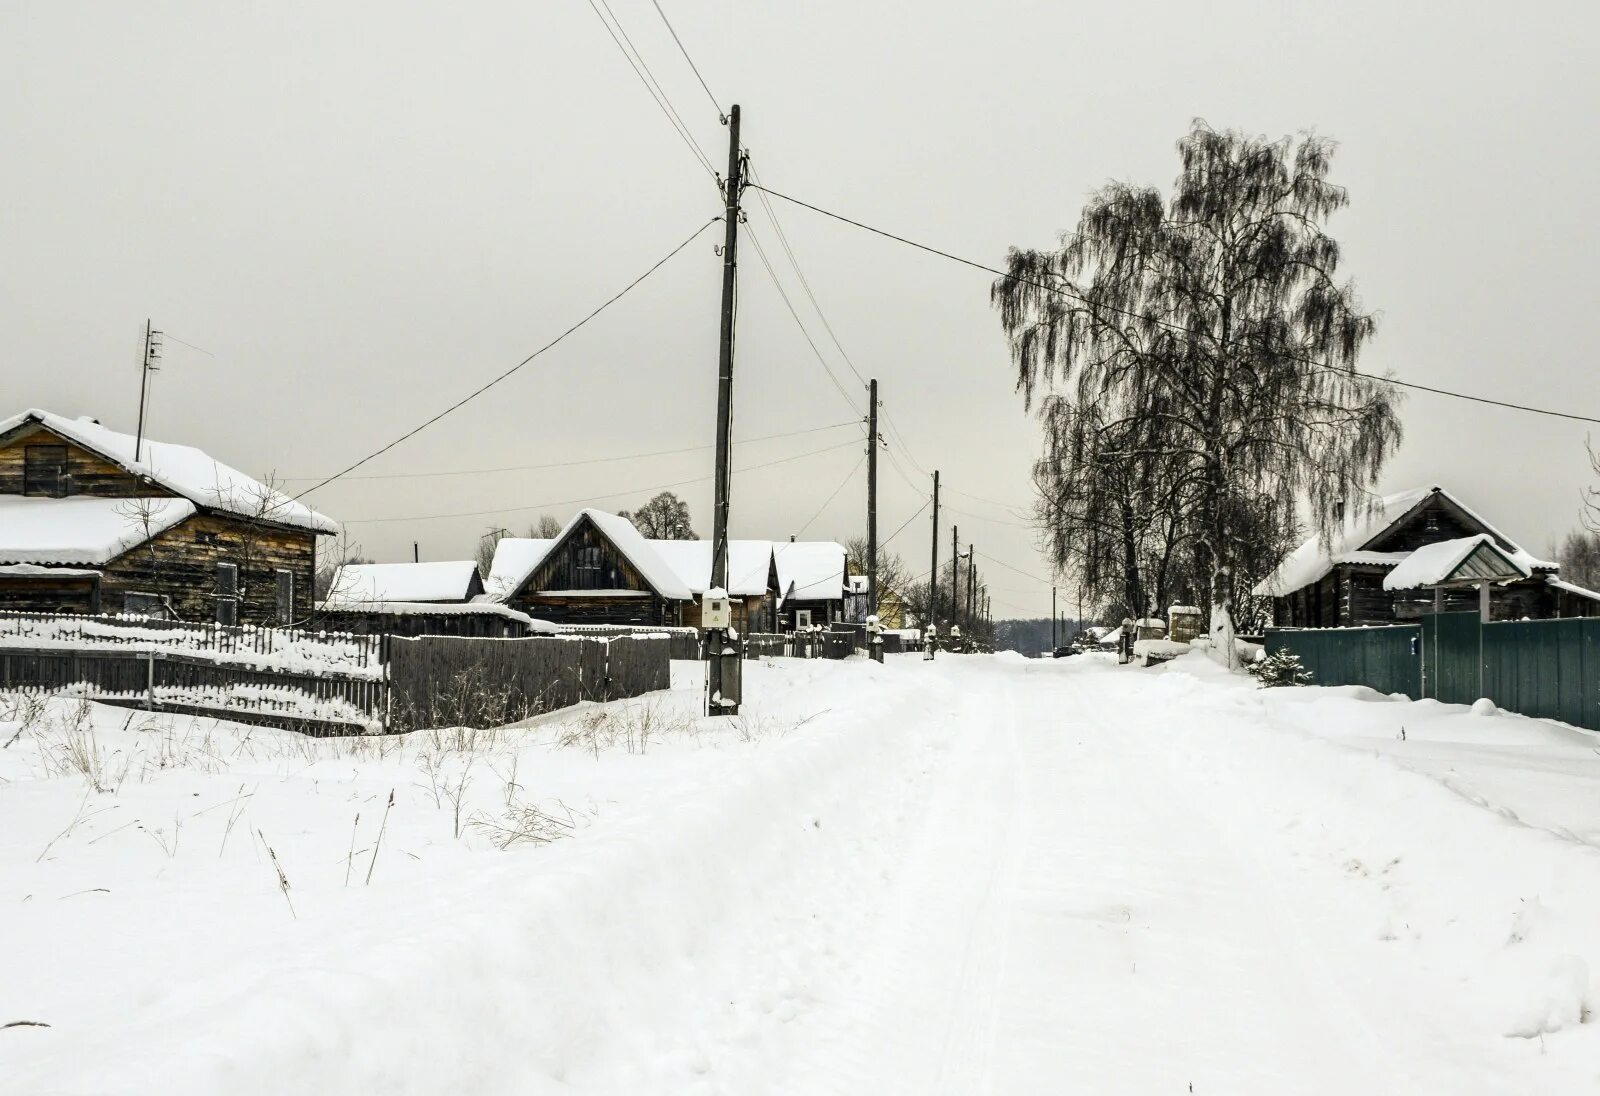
[49,593]
[88,473]
[576,609]
[181,564]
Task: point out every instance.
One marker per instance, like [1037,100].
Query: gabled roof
[749,564]
[810,570]
[358,584]
[1468,558]
[181,469]
[81,529]
[525,556]
[1351,543]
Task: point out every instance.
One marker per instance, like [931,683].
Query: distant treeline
[1032,637]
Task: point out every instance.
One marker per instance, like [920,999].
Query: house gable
[584,558]
[1435,518]
[87,472]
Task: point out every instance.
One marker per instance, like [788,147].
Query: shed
[359,584]
[811,582]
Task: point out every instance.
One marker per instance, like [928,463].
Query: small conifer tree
[1280,668]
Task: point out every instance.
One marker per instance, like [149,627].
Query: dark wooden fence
[1548,669]
[322,704]
[450,681]
[336,648]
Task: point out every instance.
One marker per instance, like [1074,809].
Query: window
[802,618]
[227,593]
[150,605]
[588,569]
[44,471]
[285,596]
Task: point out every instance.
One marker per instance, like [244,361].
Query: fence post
[150,680]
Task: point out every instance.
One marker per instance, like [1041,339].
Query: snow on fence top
[82,529]
[286,649]
[358,585]
[183,470]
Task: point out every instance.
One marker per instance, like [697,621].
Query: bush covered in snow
[1278,669]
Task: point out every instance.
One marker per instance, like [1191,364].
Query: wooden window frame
[161,609]
[285,606]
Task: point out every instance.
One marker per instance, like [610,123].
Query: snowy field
[985,874]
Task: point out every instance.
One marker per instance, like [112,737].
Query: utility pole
[1053,641]
[955,573]
[416,552]
[150,364]
[872,496]
[972,578]
[724,686]
[933,587]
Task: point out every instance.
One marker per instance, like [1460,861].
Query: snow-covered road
[984,875]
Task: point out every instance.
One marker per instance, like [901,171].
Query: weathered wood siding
[49,593]
[181,565]
[87,473]
[577,609]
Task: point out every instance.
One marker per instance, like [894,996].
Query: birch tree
[1214,325]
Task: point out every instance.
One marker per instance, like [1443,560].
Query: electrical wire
[693,67]
[848,477]
[985,517]
[667,109]
[925,504]
[576,463]
[1311,362]
[1018,570]
[475,393]
[773,274]
[593,498]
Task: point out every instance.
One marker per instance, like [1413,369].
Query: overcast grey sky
[364,210]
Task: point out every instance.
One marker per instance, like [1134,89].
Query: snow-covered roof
[1571,588]
[1314,559]
[437,608]
[83,528]
[182,469]
[514,560]
[1439,562]
[749,563]
[357,585]
[810,570]
[525,556]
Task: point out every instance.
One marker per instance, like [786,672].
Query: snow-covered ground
[984,874]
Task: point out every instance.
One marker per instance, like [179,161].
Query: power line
[778,285]
[593,498]
[848,477]
[686,57]
[1018,570]
[1321,366]
[925,504]
[985,517]
[651,85]
[475,393]
[575,463]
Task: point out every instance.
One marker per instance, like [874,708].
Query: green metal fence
[1387,659]
[1548,669]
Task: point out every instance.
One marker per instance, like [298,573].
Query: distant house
[1366,574]
[413,599]
[811,582]
[752,579]
[86,526]
[597,570]
[356,585]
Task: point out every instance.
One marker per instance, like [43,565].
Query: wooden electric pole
[972,578]
[1053,642]
[955,573]
[933,585]
[150,363]
[872,495]
[723,677]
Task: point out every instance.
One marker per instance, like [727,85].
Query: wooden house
[93,521]
[752,579]
[597,570]
[811,583]
[440,598]
[1341,582]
